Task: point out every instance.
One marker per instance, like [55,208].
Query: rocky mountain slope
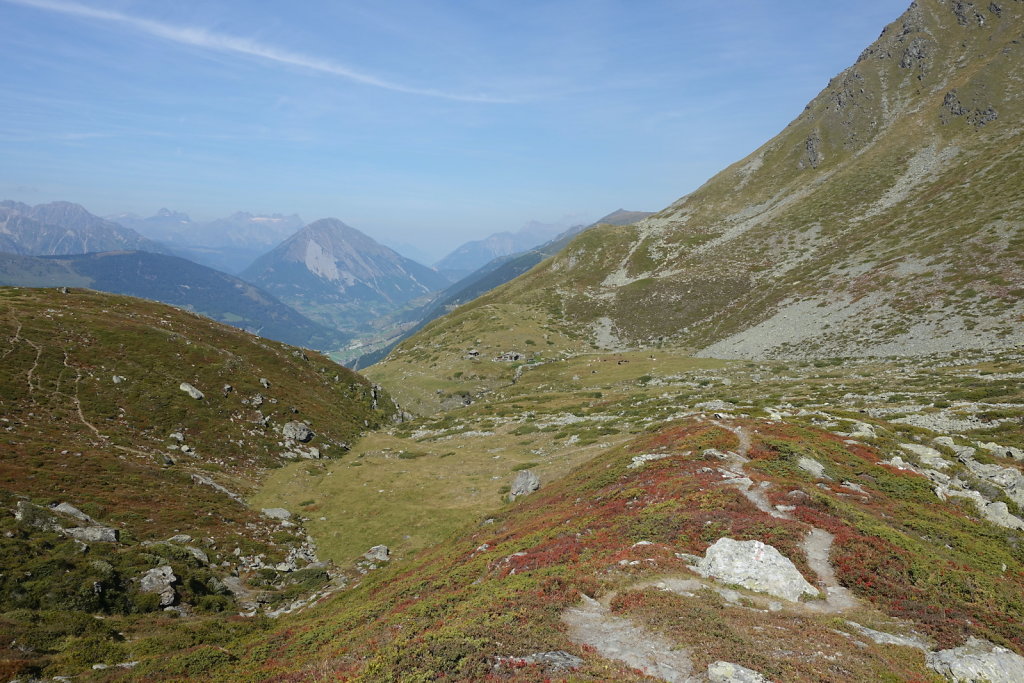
[341,277]
[132,434]
[885,219]
[64,228]
[174,281]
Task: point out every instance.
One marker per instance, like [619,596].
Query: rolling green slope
[96,415]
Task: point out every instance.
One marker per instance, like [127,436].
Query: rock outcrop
[727,672]
[977,661]
[297,431]
[525,483]
[92,534]
[160,580]
[276,513]
[378,553]
[755,566]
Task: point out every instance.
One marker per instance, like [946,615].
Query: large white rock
[524,483]
[91,534]
[1003,451]
[378,553]
[298,431]
[191,391]
[1009,479]
[977,661]
[927,455]
[160,580]
[276,513]
[755,566]
[815,468]
[999,514]
[727,672]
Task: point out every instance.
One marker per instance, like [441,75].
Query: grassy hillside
[93,415]
[477,586]
[884,220]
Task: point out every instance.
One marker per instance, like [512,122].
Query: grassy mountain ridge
[94,414]
[884,220]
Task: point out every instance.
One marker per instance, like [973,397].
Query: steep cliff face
[885,219]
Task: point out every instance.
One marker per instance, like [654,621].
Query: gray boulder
[755,566]
[977,661]
[378,553]
[92,534]
[927,455]
[191,391]
[72,511]
[198,554]
[525,483]
[727,672]
[1003,451]
[276,513]
[557,660]
[160,580]
[297,431]
[998,513]
[1009,479]
[815,468]
[264,382]
[862,430]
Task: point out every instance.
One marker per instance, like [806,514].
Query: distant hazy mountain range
[340,277]
[64,228]
[470,256]
[229,244]
[174,281]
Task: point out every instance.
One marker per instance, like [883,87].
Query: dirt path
[35,363]
[14,342]
[817,545]
[591,623]
[77,402]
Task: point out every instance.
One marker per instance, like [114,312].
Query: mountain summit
[340,276]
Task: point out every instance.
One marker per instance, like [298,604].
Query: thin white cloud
[198,37]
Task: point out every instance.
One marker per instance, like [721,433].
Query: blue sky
[426,122]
